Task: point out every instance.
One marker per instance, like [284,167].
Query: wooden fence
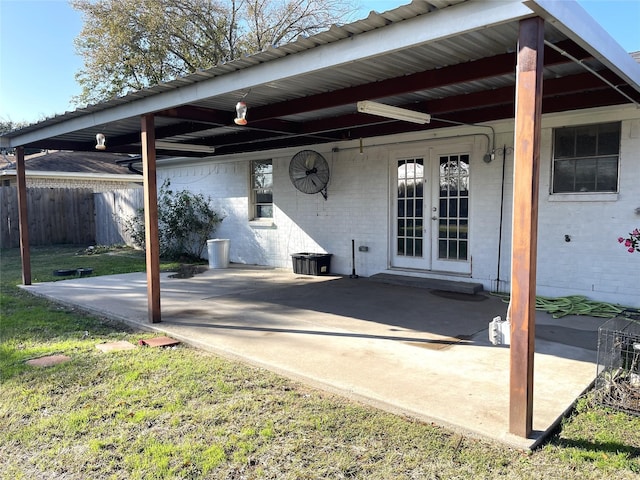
[112,211]
[68,216]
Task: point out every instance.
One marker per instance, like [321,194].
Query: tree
[128,45]
[8,125]
[273,23]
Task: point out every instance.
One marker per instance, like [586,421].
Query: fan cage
[309,172]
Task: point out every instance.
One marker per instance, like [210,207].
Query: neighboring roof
[6,161]
[79,162]
[454,59]
[85,166]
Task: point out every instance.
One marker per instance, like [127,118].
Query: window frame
[254,204]
[557,157]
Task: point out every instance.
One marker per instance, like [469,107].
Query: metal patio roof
[454,59]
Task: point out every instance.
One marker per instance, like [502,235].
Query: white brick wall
[591,264]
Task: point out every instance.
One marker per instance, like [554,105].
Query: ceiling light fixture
[184,147]
[382,110]
[100,140]
[241,113]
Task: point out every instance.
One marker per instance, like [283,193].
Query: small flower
[632,242]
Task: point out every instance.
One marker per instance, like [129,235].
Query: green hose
[578,305]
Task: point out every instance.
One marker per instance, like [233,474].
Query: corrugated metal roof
[435,55]
[335,33]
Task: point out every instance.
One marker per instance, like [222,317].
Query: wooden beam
[152,241]
[23,224]
[528,108]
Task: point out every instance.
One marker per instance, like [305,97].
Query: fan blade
[309,162]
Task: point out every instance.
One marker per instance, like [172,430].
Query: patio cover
[460,61]
[440,57]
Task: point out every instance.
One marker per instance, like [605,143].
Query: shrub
[185,222]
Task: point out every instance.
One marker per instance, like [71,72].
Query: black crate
[311,263]
[300,263]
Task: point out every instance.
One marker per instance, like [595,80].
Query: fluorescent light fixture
[184,147]
[382,110]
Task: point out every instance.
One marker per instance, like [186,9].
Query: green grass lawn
[181,413]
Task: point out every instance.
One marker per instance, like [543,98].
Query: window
[262,189]
[585,158]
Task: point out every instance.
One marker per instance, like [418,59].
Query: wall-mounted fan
[309,172]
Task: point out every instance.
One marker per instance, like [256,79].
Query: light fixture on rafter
[184,147]
[241,113]
[100,141]
[388,111]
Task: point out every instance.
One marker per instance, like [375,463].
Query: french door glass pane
[453,231]
[410,211]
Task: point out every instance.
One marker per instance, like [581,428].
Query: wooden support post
[23,223]
[528,104]
[152,241]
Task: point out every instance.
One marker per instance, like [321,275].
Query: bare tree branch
[132,44]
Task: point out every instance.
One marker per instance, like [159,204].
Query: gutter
[73,175]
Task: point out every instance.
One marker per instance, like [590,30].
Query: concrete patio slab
[403,349]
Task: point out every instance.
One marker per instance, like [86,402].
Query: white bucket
[218,252]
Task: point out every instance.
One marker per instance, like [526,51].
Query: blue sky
[38,60]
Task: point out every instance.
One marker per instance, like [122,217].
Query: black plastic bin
[311,263]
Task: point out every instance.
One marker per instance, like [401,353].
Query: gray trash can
[218,252]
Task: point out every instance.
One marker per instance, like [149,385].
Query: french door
[430,212]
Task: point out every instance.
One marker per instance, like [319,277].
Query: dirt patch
[188,271]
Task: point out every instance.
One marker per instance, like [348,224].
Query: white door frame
[431,152]
[409,244]
[451,242]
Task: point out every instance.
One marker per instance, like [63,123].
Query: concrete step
[469,288]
